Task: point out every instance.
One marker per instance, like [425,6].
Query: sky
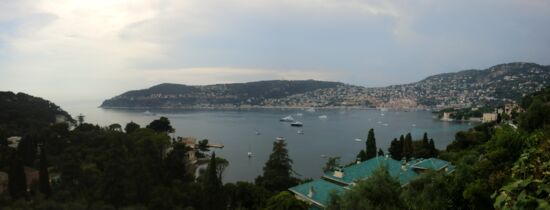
[68,50]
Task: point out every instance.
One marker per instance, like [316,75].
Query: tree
[429,191]
[536,116]
[332,164]
[380,191]
[362,156]
[408,147]
[176,164]
[17,183]
[44,177]
[161,125]
[285,201]
[396,149]
[371,145]
[433,150]
[115,127]
[380,152]
[213,196]
[80,119]
[131,127]
[245,195]
[277,172]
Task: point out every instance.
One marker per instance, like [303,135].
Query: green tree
[536,116]
[213,197]
[17,183]
[277,172]
[371,145]
[161,125]
[245,195]
[429,191]
[408,147]
[131,127]
[396,149]
[115,127]
[331,164]
[380,192]
[380,152]
[285,201]
[362,156]
[44,177]
[176,164]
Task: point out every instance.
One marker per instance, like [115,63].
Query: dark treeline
[85,166]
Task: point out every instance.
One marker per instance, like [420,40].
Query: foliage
[277,172]
[285,201]
[380,192]
[332,164]
[161,125]
[370,145]
[429,191]
[131,127]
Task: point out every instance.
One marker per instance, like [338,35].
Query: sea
[341,133]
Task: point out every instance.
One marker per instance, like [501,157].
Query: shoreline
[264,107]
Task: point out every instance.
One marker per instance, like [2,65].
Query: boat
[249,154]
[384,109]
[414,125]
[258,133]
[287,119]
[385,124]
[280,138]
[310,109]
[382,114]
[148,113]
[323,117]
[297,124]
[300,132]
[358,140]
[299,114]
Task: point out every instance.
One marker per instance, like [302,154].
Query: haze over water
[236,130]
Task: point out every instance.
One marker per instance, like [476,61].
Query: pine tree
[380,152]
[433,150]
[362,156]
[371,145]
[396,149]
[213,197]
[17,183]
[44,179]
[408,146]
[277,175]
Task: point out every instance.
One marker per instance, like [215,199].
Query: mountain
[494,86]
[22,112]
[251,93]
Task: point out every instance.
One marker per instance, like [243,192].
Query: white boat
[258,133]
[385,124]
[358,140]
[413,125]
[297,124]
[299,114]
[300,132]
[280,138]
[249,154]
[310,109]
[381,114]
[288,118]
[148,113]
[384,109]
[323,117]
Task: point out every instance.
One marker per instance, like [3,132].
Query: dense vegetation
[251,93]
[498,167]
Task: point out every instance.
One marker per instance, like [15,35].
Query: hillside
[494,86]
[21,113]
[252,93]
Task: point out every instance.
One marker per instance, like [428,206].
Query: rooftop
[320,191]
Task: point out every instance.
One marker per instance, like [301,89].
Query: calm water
[334,136]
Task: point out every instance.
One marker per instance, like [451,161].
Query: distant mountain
[236,94]
[20,113]
[494,86]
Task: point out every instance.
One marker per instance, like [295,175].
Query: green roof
[431,163]
[363,170]
[321,189]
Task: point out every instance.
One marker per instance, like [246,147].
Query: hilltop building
[316,192]
[489,117]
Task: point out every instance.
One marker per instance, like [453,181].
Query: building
[13,141]
[447,116]
[317,192]
[511,108]
[489,117]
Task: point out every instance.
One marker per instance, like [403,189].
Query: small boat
[323,156]
[287,119]
[385,124]
[300,132]
[384,109]
[381,114]
[258,133]
[413,125]
[358,140]
[249,154]
[310,109]
[280,138]
[323,117]
[299,114]
[297,124]
[148,113]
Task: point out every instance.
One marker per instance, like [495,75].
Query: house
[447,116]
[13,141]
[317,192]
[489,117]
[3,182]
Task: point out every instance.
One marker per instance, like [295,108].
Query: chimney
[311,192]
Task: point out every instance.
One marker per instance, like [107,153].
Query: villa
[316,192]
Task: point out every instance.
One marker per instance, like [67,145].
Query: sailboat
[249,152]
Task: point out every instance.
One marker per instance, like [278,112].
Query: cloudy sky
[76,49]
